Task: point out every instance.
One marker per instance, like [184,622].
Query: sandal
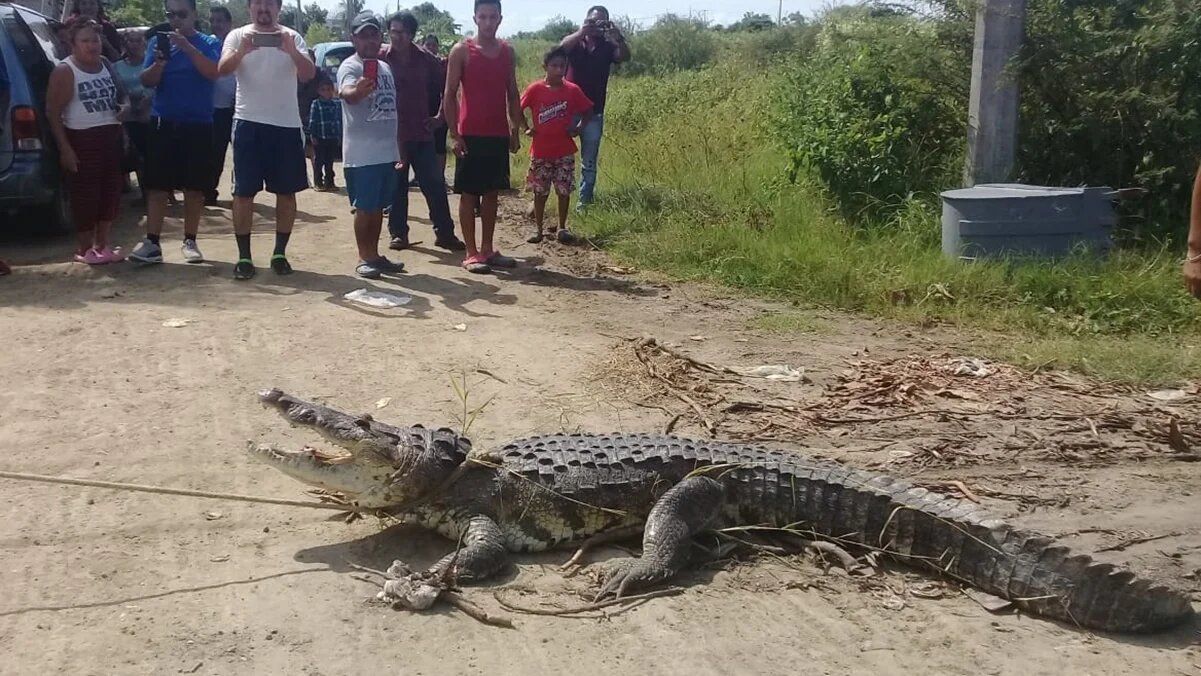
[477,264]
[91,257]
[244,269]
[112,254]
[498,260]
[280,265]
[535,238]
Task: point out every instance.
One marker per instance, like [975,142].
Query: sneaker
[451,243]
[368,270]
[191,252]
[91,257]
[477,264]
[112,254]
[280,265]
[399,243]
[244,269]
[498,260]
[147,252]
[386,266]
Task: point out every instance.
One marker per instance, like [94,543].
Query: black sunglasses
[181,14]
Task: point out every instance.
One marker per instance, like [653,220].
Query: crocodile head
[378,466]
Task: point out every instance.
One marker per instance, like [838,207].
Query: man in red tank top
[484,125]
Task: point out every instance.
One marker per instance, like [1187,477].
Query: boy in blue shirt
[325,129]
[181,64]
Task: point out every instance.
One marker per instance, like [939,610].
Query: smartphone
[267,39]
[371,69]
[162,45]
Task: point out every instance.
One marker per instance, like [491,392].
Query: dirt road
[148,376]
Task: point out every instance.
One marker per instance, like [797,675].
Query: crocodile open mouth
[363,471]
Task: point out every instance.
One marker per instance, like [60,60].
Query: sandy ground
[97,386]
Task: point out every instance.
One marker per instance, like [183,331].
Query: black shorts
[440,140]
[177,156]
[485,168]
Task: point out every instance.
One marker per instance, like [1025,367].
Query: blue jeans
[590,138]
[424,163]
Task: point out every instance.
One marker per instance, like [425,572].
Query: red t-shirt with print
[553,110]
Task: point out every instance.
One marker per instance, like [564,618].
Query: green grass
[691,185]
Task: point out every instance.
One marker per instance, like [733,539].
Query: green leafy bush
[877,111]
[674,43]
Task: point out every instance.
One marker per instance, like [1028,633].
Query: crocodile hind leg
[481,555]
[681,513]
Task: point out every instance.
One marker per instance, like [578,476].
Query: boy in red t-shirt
[559,110]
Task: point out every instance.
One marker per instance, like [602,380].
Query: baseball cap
[364,19]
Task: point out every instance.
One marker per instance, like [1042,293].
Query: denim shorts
[371,187]
[267,155]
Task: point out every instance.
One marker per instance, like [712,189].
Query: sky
[522,15]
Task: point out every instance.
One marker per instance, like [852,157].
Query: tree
[318,33]
[314,13]
[349,9]
[433,21]
[752,22]
[554,30]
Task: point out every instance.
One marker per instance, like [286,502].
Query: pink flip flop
[112,254]
[477,264]
[91,257]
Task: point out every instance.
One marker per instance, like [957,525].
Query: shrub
[877,112]
[674,43]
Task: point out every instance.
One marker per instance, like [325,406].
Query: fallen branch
[1136,541]
[651,341]
[591,607]
[21,476]
[452,597]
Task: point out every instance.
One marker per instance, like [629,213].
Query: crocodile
[549,491]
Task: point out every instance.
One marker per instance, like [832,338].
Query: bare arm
[231,59]
[152,76]
[450,96]
[621,50]
[58,95]
[203,64]
[1192,268]
[305,68]
[361,89]
[574,40]
[516,119]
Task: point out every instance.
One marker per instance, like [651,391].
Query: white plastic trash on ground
[377,299]
[782,372]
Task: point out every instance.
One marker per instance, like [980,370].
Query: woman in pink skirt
[82,106]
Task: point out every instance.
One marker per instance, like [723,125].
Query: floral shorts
[559,172]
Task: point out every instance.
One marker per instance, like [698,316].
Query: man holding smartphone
[181,66]
[268,60]
[591,53]
[369,148]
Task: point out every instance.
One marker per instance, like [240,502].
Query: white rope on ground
[21,476]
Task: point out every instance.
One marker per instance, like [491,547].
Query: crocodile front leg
[481,555]
[681,513]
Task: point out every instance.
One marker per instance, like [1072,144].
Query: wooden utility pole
[992,124]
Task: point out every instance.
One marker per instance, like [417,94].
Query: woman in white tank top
[83,107]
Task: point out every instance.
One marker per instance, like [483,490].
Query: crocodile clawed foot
[620,575]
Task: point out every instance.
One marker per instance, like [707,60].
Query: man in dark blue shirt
[181,64]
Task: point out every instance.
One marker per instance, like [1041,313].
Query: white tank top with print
[95,101]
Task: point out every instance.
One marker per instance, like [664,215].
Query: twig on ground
[591,607]
[1136,541]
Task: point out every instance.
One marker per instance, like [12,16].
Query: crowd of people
[167,104]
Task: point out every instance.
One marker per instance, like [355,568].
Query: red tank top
[483,107]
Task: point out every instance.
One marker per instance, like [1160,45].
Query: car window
[334,57]
[45,34]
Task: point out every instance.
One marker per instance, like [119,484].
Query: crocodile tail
[958,539]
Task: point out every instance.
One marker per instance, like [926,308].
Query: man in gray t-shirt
[369,150]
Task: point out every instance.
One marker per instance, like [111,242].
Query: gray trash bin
[998,220]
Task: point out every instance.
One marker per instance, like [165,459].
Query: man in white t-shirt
[268,60]
[369,147]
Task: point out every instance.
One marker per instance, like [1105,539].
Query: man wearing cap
[369,148]
[268,60]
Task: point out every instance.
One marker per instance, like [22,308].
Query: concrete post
[992,124]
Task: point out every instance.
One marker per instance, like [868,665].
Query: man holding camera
[268,59]
[181,65]
[591,53]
